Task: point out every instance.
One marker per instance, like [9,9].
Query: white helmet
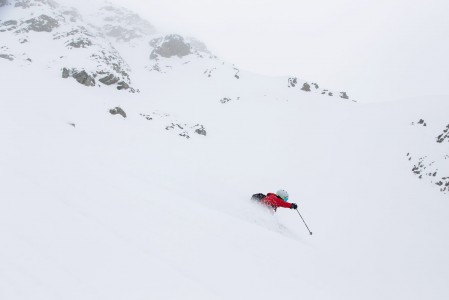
[283,194]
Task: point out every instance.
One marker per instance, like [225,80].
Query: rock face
[169,46]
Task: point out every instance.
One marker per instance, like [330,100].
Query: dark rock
[118,111]
[43,23]
[306,87]
[3,3]
[84,78]
[109,79]
[330,94]
[201,131]
[7,56]
[225,100]
[344,95]
[184,134]
[65,73]
[292,82]
[80,43]
[122,86]
[316,86]
[237,73]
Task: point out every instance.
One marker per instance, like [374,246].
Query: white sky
[375,50]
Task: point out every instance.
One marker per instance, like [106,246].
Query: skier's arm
[282,203]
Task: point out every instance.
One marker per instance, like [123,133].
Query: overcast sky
[375,50]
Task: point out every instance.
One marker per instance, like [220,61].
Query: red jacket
[275,201]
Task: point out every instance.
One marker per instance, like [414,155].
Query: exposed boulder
[109,79]
[123,86]
[84,78]
[81,76]
[117,111]
[201,130]
[169,46]
[7,56]
[306,87]
[443,136]
[344,95]
[65,73]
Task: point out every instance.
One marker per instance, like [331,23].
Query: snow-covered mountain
[128,157]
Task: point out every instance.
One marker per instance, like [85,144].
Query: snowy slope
[97,206]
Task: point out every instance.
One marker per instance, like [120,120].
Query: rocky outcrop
[29,3]
[123,25]
[179,128]
[431,165]
[169,46]
[420,122]
[88,79]
[8,25]
[79,43]
[444,135]
[7,56]
[43,23]
[305,87]
[201,130]
[429,171]
[344,95]
[118,111]
[292,82]
[81,76]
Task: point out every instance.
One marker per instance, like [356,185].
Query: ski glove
[294,206]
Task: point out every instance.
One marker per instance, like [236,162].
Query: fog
[375,50]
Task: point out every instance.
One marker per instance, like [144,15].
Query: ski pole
[304,222]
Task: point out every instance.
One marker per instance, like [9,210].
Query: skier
[280,199]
